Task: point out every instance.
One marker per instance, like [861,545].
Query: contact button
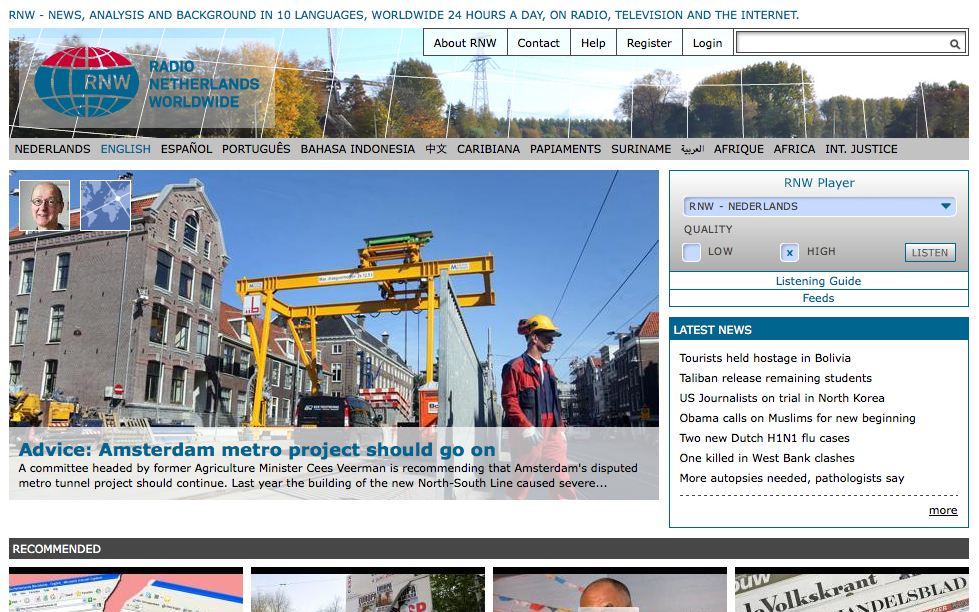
[929,251]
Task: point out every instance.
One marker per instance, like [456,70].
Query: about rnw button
[929,251]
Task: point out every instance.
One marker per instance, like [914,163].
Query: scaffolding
[406,285]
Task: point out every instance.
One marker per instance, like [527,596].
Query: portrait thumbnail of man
[44,205]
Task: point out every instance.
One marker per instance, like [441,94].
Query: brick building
[635,374]
[140,309]
[613,389]
[340,341]
[587,388]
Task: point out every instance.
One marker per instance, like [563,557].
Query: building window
[26,276]
[57,323]
[15,372]
[203,337]
[177,386]
[289,349]
[335,394]
[152,391]
[338,349]
[207,248]
[61,272]
[226,401]
[182,339]
[241,406]
[50,376]
[336,371]
[190,232]
[207,290]
[244,331]
[20,326]
[274,411]
[246,362]
[158,324]
[228,359]
[173,228]
[274,377]
[164,262]
[288,381]
[286,408]
[186,287]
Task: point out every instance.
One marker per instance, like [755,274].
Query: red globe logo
[86,82]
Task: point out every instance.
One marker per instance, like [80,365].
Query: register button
[929,251]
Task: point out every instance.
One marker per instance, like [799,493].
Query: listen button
[929,251]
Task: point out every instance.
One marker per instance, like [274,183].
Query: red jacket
[523,402]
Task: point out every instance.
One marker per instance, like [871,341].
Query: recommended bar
[506,548]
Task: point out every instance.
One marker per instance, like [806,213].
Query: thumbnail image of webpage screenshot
[78,594]
[851,589]
[350,405]
[125,592]
[665,74]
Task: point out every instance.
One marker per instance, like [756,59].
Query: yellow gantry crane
[408,284]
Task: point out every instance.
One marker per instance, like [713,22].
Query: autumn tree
[359,109]
[295,98]
[649,102]
[716,109]
[935,110]
[765,100]
[417,106]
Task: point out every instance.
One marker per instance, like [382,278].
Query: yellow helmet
[537,323]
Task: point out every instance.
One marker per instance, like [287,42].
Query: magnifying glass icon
[955,44]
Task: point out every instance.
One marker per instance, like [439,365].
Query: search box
[851,42]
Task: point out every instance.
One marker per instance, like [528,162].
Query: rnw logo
[86,82]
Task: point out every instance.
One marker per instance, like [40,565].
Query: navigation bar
[489,148]
[690,42]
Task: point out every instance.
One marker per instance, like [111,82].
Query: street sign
[252,305]
[117,390]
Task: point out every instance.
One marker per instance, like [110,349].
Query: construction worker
[530,405]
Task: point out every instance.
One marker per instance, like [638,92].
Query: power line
[282,584]
[587,238]
[626,322]
[611,297]
[631,318]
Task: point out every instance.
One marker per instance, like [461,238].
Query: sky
[308,592]
[556,87]
[534,223]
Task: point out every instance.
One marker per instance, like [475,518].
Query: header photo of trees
[376,83]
